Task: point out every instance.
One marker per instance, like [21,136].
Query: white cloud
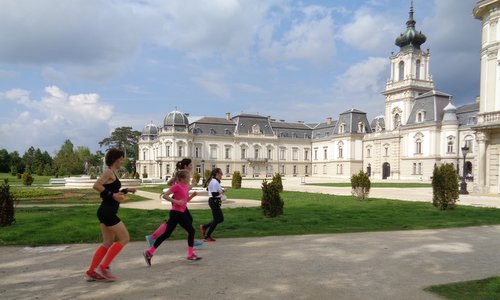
[371,32]
[57,116]
[213,83]
[310,38]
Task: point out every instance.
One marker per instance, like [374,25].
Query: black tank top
[115,188]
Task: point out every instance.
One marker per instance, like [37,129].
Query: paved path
[381,265]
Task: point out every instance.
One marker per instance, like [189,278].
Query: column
[482,139]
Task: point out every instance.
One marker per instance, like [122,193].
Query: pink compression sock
[190,251]
[98,256]
[159,231]
[152,250]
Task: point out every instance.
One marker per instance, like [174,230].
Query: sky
[79,69]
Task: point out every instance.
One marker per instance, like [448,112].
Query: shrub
[277,180]
[27,179]
[236,180]
[196,177]
[360,184]
[13,170]
[271,204]
[144,175]
[444,187]
[7,209]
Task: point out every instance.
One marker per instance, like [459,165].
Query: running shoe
[209,239]
[198,243]
[105,272]
[94,276]
[202,230]
[150,240]
[193,257]
[147,257]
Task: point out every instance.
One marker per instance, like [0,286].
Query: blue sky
[78,69]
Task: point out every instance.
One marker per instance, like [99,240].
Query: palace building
[421,128]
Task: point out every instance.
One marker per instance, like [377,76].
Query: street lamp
[463,184]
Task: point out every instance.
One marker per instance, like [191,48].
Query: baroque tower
[409,75]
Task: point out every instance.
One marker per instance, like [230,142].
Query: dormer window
[361,127]
[212,131]
[342,128]
[420,116]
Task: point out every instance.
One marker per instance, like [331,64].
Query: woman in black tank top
[108,185]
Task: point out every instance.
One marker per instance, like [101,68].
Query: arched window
[417,69]
[342,128]
[420,116]
[401,70]
[361,127]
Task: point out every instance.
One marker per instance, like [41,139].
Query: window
[325,153]
[306,169]
[418,146]
[145,170]
[212,131]
[368,152]
[325,169]
[306,154]
[294,170]
[168,168]
[471,120]
[414,168]
[167,150]
[283,169]
[197,152]
[228,171]
[295,154]
[361,127]
[243,169]
[179,151]
[419,168]
[450,147]
[227,152]
[256,153]
[282,154]
[213,152]
[315,169]
[468,143]
[420,116]
[143,154]
[342,128]
[198,169]
[386,149]
[243,153]
[269,153]
[417,69]
[315,154]
[341,151]
[401,70]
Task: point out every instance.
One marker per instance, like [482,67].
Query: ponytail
[181,165]
[212,176]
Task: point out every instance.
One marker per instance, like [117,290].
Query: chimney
[329,120]
[228,116]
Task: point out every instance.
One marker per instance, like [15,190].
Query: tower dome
[150,132]
[410,39]
[450,113]
[175,119]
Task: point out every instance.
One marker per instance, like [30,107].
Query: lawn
[304,213]
[39,195]
[378,184]
[488,288]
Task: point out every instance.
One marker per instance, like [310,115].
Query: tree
[272,203]
[125,139]
[4,161]
[16,163]
[361,184]
[67,160]
[27,159]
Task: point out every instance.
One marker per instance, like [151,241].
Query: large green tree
[4,161]
[67,160]
[125,139]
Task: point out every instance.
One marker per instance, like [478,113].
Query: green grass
[488,288]
[13,180]
[304,213]
[378,184]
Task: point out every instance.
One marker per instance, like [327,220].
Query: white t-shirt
[214,187]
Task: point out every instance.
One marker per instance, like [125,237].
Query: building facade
[488,119]
[421,128]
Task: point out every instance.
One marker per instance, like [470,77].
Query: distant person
[215,193]
[184,164]
[180,198]
[108,185]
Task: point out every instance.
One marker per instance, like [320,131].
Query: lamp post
[463,184]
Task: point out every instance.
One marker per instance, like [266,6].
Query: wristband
[124,191]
